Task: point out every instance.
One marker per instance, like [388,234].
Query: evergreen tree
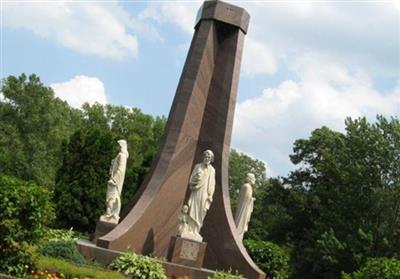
[81,188]
[82,182]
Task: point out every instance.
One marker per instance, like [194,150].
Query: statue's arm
[194,180]
[112,182]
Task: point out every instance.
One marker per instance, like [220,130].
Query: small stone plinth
[186,252]
[103,228]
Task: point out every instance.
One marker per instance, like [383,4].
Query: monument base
[103,228]
[186,252]
[173,270]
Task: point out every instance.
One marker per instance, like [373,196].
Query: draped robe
[114,187]
[244,209]
[202,185]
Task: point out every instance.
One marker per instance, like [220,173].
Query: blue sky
[305,63]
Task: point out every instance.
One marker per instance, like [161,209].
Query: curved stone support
[201,118]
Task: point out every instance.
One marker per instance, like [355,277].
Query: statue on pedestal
[115,183]
[245,205]
[202,186]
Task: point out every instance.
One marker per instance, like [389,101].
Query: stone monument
[245,205]
[200,119]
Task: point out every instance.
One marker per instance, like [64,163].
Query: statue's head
[250,178]
[208,157]
[185,209]
[123,146]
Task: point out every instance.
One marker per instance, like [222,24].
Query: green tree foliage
[270,219]
[33,126]
[25,209]
[81,185]
[143,133]
[87,158]
[343,205]
[276,214]
[382,268]
[239,165]
[269,257]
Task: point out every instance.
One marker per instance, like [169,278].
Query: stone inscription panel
[189,250]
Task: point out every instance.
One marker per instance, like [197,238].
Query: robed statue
[202,186]
[115,183]
[245,205]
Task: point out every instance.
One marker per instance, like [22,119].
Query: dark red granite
[200,118]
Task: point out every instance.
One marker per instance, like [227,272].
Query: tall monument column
[200,118]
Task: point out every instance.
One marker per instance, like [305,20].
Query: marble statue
[245,205]
[115,183]
[183,220]
[202,186]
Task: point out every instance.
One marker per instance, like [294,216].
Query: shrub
[70,270]
[62,234]
[382,268]
[220,274]
[62,249]
[25,209]
[269,257]
[139,267]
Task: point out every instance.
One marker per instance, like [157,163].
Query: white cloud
[98,28]
[351,44]
[324,95]
[182,15]
[357,35]
[79,90]
[258,59]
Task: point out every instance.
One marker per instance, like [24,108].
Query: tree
[350,184]
[270,219]
[81,184]
[33,126]
[382,268]
[143,134]
[88,155]
[273,260]
[239,165]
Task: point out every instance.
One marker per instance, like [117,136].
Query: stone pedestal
[173,270]
[186,252]
[103,228]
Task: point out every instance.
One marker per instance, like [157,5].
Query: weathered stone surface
[186,252]
[102,228]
